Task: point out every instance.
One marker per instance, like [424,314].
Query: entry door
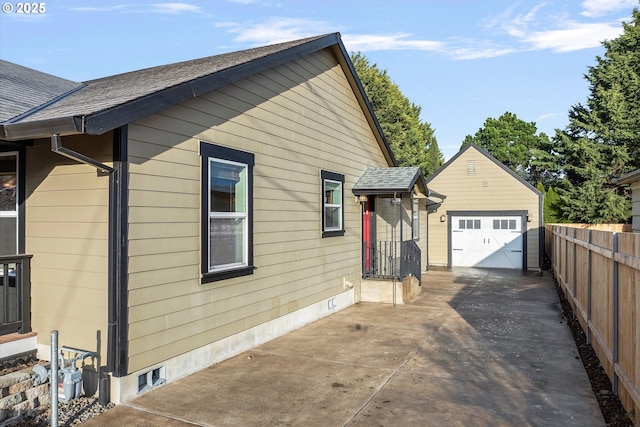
[487,241]
[8,203]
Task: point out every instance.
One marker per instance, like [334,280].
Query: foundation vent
[151,379]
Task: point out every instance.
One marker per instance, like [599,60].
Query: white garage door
[487,241]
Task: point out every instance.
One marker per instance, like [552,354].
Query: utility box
[69,384]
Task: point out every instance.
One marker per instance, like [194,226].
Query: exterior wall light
[443,218]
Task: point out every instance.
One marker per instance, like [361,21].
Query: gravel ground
[69,414]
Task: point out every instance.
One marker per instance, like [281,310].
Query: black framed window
[227,212]
[332,204]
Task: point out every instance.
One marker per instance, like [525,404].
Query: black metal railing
[391,260]
[410,263]
[15,294]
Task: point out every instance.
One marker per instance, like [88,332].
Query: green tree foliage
[552,212]
[412,141]
[517,145]
[602,139]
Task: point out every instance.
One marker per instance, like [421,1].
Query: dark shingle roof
[104,93]
[101,105]
[23,89]
[387,180]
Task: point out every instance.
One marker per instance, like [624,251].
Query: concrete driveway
[476,348]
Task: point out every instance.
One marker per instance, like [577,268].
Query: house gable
[490,158]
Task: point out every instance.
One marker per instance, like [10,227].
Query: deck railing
[391,260]
[15,294]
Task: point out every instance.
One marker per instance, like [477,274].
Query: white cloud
[401,41]
[595,8]
[544,28]
[546,116]
[165,8]
[117,7]
[575,36]
[275,30]
[173,8]
[474,52]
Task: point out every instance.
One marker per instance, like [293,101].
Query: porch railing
[15,294]
[410,264]
[391,260]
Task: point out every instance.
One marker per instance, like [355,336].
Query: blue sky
[462,61]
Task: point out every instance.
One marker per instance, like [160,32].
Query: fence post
[574,274]
[565,269]
[614,362]
[589,287]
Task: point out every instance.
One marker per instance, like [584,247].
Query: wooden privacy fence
[599,272]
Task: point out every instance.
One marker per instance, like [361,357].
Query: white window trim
[223,215]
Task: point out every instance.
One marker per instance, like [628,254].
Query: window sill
[332,233]
[226,274]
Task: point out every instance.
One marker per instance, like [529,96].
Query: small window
[332,204]
[476,224]
[504,224]
[461,224]
[227,212]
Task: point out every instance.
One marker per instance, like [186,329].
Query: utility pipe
[56,147]
[53,381]
[112,320]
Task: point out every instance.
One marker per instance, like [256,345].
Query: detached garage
[493,217]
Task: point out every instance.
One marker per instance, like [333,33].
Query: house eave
[131,111]
[41,128]
[380,191]
[629,178]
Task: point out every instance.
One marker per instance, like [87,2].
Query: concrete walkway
[476,348]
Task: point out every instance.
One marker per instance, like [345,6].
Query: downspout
[112,319]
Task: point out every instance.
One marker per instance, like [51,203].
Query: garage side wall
[474,181]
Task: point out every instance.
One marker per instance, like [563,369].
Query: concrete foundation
[390,291]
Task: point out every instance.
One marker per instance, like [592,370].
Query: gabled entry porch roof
[377,181]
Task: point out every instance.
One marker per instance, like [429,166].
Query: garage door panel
[487,241]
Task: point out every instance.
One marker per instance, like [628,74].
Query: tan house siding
[298,119]
[67,234]
[473,182]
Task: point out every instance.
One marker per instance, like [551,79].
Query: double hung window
[227,209]
[332,204]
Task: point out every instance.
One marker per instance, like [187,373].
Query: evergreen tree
[552,213]
[602,140]
[412,141]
